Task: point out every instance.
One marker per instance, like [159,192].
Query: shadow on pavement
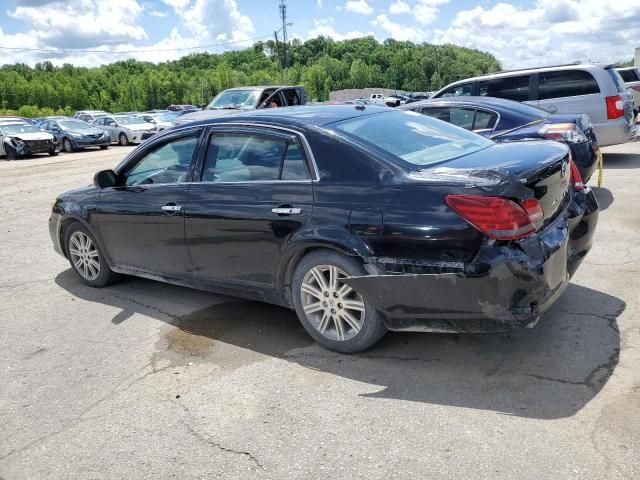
[615,160]
[550,371]
[604,196]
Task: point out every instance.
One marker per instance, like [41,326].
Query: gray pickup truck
[239,99]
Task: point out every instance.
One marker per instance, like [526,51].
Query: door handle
[286,211]
[172,208]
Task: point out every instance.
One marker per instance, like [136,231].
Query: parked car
[126,129]
[507,121]
[40,120]
[24,139]
[235,100]
[74,134]
[631,78]
[161,120]
[381,99]
[183,108]
[89,115]
[360,219]
[595,90]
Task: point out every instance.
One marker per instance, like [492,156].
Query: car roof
[300,116]
[494,102]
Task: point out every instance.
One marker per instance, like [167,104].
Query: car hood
[87,131]
[205,115]
[139,127]
[32,136]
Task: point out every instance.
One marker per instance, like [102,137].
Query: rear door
[571,91]
[255,193]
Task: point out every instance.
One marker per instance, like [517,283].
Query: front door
[141,221]
[255,193]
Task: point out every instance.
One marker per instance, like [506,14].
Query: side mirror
[105,179]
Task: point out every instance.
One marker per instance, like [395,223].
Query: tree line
[320,64]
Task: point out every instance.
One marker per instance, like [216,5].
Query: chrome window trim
[461,105]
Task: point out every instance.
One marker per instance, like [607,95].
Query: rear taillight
[615,107]
[563,132]
[498,218]
[576,178]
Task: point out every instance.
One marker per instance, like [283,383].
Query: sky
[522,33]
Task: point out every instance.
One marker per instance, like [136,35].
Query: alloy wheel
[124,141]
[333,308]
[84,255]
[66,144]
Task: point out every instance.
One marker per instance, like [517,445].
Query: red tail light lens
[497,217]
[615,107]
[576,178]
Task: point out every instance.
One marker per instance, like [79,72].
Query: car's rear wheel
[123,140]
[85,257]
[334,314]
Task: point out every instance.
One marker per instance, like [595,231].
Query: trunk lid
[541,166]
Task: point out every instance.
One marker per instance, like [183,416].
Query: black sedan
[507,121]
[74,134]
[362,219]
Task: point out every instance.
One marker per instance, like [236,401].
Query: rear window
[412,137]
[511,88]
[630,75]
[566,83]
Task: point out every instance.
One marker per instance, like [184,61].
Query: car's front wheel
[104,147]
[85,257]
[10,153]
[67,146]
[334,314]
[123,140]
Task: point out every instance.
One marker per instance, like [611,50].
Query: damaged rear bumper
[505,286]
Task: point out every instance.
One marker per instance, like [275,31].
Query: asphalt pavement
[148,380]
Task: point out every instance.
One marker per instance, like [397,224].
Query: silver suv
[596,90]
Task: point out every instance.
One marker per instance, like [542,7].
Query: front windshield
[240,99]
[129,120]
[413,137]
[169,116]
[74,125]
[17,129]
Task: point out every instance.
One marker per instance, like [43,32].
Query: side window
[167,163]
[630,75]
[566,83]
[463,90]
[511,88]
[109,121]
[293,166]
[45,126]
[291,96]
[484,120]
[233,157]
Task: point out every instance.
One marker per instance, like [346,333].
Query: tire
[123,140]
[326,308]
[86,259]
[104,147]
[53,152]
[10,152]
[67,146]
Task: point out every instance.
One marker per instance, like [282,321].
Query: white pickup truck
[380,99]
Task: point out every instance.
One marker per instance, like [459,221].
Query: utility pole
[275,34]
[283,16]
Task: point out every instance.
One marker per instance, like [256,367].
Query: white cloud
[324,27]
[426,11]
[398,7]
[157,13]
[177,5]
[218,20]
[358,6]
[399,31]
[551,31]
[82,23]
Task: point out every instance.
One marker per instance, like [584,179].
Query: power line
[55,50]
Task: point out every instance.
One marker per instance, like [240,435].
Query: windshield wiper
[504,132]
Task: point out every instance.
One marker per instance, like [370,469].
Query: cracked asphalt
[147,380]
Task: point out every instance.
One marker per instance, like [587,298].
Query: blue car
[507,121]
